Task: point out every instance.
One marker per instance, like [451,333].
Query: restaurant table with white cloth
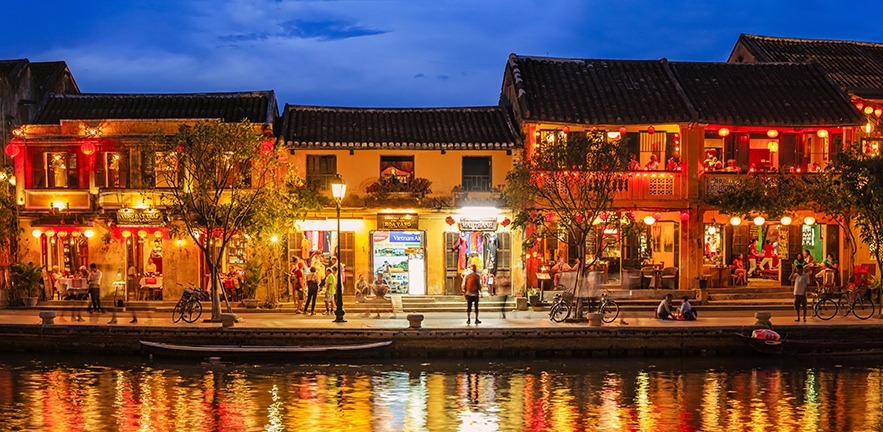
[72,288]
[150,288]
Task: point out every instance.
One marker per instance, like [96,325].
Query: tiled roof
[46,73]
[592,91]
[787,94]
[475,128]
[257,107]
[857,66]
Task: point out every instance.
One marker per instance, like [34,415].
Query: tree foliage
[771,196]
[10,229]
[569,187]
[222,182]
[861,178]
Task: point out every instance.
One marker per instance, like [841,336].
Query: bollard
[48,317]
[595,319]
[763,319]
[228,319]
[414,320]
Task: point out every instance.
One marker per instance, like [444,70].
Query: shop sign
[139,217]
[478,224]
[395,221]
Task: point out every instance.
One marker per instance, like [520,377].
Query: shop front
[479,236]
[143,235]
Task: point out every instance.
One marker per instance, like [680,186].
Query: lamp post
[338,190]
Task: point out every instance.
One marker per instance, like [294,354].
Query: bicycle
[189,306]
[562,307]
[859,305]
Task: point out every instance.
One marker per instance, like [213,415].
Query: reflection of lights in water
[274,416]
[711,399]
[643,404]
[611,414]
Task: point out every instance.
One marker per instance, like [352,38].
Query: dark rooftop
[590,91]
[856,66]
[257,107]
[407,128]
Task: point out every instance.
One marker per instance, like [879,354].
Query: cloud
[327,29]
[420,75]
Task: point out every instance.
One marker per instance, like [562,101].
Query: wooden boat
[262,351]
[790,347]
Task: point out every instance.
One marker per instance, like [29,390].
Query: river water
[94,394]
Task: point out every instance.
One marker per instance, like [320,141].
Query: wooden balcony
[712,182]
[652,186]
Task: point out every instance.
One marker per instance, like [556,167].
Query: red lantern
[566,129]
[12,150]
[878,112]
[180,148]
[267,147]
[859,104]
[685,216]
[549,217]
[88,148]
[622,131]
[632,215]
[505,222]
[657,216]
[651,130]
[578,217]
[449,220]
[603,216]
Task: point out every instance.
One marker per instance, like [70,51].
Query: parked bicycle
[189,306]
[829,303]
[563,305]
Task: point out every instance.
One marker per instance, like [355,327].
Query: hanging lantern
[759,220]
[772,146]
[157,234]
[267,147]
[180,148]
[859,104]
[76,234]
[449,220]
[878,112]
[126,234]
[685,216]
[578,218]
[142,233]
[786,220]
[179,242]
[822,133]
[735,221]
[649,220]
[869,109]
[868,128]
[12,150]
[37,233]
[613,135]
[505,222]
[549,217]
[712,230]
[62,234]
[772,133]
[566,130]
[622,131]
[651,130]
[603,216]
[88,148]
[723,132]
[809,220]
[657,216]
[50,233]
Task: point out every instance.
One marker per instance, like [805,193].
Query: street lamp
[338,190]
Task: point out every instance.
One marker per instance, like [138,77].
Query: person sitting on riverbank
[665,310]
[686,311]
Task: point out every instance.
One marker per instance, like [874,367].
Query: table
[541,279]
[813,270]
[151,287]
[72,288]
[720,276]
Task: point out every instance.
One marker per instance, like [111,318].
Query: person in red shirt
[738,269]
[753,253]
[471,289]
[767,255]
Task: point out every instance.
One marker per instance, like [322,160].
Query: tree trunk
[216,300]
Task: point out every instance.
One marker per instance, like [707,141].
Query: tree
[772,196]
[570,186]
[10,230]
[861,181]
[215,173]
[827,194]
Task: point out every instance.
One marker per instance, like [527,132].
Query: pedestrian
[362,291]
[801,281]
[686,311]
[312,291]
[491,290]
[471,289]
[94,281]
[298,281]
[330,289]
[664,310]
[380,289]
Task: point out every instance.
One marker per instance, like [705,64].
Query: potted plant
[249,284]
[27,282]
[533,297]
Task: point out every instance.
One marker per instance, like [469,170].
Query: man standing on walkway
[801,281]
[471,289]
[94,281]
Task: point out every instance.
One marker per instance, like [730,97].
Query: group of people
[310,282]
[765,255]
[372,293]
[673,163]
[667,311]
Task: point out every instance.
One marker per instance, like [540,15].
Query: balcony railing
[477,183]
[652,186]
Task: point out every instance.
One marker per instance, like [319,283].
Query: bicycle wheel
[862,308]
[178,312]
[609,311]
[826,309]
[192,311]
[843,307]
[560,311]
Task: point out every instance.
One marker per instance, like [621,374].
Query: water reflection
[710,395]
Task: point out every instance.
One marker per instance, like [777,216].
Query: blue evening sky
[388,53]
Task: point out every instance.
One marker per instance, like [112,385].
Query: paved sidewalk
[433,320]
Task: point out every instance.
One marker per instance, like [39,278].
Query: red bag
[765,334]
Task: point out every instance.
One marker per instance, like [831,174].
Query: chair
[648,273]
[670,277]
[632,278]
